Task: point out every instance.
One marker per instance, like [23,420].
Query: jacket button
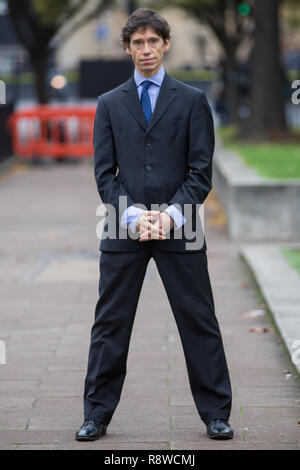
[148,143]
[148,168]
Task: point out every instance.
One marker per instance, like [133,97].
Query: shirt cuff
[130,217]
[176,215]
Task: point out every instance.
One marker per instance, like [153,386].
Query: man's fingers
[152,221]
[150,213]
[149,225]
[151,218]
[145,236]
[154,228]
[146,220]
[150,235]
[152,232]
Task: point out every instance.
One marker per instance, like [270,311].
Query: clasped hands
[154,225]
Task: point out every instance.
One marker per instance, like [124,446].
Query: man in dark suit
[153,142]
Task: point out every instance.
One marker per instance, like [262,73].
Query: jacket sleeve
[105,161]
[198,181]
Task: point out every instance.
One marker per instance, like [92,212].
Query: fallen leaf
[244,284]
[258,329]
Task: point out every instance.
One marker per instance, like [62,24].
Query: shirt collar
[156,79]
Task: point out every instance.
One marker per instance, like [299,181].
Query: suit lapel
[131,100]
[165,97]
[132,103]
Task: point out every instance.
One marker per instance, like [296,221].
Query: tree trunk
[267,117]
[39,65]
[232,87]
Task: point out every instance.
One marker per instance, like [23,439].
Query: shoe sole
[221,436]
[87,438]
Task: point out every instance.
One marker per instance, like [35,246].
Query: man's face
[147,51]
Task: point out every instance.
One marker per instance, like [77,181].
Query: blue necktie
[145,100]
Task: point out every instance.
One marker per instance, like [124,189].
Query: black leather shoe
[91,430]
[219,429]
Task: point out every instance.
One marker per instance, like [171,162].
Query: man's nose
[146,48]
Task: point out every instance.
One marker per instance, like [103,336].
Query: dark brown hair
[144,18]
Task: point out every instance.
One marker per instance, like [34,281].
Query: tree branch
[86,19]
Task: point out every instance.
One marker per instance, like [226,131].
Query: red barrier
[48,131]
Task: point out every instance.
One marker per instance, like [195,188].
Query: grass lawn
[270,160]
[293,256]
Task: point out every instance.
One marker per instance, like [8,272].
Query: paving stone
[14,421]
[8,401]
[282,431]
[96,445]
[9,437]
[53,422]
[182,401]
[8,447]
[233,445]
[59,403]
[260,396]
[19,387]
[261,413]
[39,447]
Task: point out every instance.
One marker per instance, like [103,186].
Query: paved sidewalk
[49,271]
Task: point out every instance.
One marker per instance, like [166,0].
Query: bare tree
[267,118]
[230,26]
[37,22]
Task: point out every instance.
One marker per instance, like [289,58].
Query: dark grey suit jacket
[167,162]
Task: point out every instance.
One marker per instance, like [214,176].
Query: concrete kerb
[248,197]
[280,286]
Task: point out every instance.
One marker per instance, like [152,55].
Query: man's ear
[167,44]
[127,49]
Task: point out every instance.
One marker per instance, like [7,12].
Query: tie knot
[146,84]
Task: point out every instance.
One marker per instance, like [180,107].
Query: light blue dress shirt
[132,213]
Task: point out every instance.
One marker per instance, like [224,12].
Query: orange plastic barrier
[48,131]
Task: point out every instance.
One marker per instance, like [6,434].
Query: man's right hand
[146,226]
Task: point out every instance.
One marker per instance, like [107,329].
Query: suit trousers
[186,280]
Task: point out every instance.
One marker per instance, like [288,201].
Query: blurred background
[244,54]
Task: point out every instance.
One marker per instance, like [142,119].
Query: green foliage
[293,256]
[49,11]
[271,160]
[199,8]
[291,10]
[215,14]
[190,75]
[49,15]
